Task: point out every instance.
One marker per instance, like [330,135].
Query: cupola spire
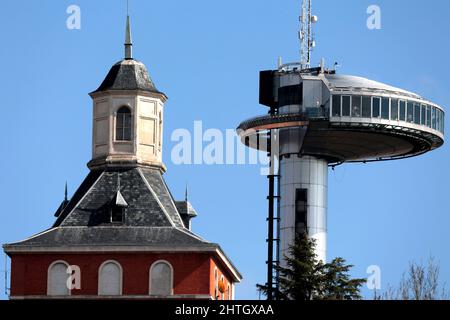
[128,41]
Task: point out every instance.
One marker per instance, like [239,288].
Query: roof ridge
[190,233]
[37,234]
[65,216]
[161,179]
[155,196]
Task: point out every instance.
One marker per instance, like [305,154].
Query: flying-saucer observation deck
[346,118]
[322,119]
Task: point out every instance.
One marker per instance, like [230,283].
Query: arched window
[57,279]
[110,279]
[222,289]
[216,284]
[123,124]
[161,279]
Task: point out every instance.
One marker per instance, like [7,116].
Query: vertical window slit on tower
[301,210]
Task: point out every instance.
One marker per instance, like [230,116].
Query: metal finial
[65,192]
[128,41]
[186,193]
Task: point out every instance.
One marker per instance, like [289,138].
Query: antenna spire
[128,40]
[306,35]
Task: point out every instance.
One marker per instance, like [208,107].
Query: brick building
[122,234]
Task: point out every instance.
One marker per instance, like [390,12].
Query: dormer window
[118,206]
[117,214]
[123,124]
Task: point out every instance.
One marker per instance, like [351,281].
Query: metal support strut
[271,239]
[271,219]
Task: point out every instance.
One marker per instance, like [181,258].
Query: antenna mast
[306,36]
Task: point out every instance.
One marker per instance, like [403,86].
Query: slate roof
[151,217]
[149,202]
[128,74]
[185,208]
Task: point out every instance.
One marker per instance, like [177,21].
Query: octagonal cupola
[128,116]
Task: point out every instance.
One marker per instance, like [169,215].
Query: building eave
[157,95]
[23,249]
[237,277]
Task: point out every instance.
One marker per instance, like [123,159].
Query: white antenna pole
[306,37]
[310,39]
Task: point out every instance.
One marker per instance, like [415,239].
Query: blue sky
[206,55]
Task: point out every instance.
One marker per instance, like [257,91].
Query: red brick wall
[192,272]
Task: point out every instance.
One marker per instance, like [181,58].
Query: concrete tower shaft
[303,202]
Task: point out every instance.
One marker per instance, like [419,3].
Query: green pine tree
[336,282]
[307,278]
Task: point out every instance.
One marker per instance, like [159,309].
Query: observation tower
[317,119]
